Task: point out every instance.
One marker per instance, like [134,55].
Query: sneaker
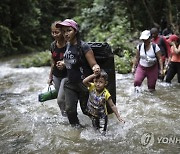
[64,114]
[77,126]
[152,90]
[137,89]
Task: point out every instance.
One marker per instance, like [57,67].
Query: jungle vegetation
[25,24]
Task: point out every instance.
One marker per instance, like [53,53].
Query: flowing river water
[28,126]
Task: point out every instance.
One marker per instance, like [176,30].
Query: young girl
[98,97]
[174,59]
[58,71]
[78,54]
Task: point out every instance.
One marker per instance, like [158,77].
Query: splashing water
[28,126]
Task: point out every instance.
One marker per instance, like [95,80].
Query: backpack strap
[162,43]
[140,47]
[153,45]
[154,49]
[67,47]
[52,46]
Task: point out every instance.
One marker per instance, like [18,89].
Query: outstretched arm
[50,74]
[88,79]
[135,61]
[92,61]
[114,108]
[160,62]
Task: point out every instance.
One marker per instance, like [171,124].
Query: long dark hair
[79,48]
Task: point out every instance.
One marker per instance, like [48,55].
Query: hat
[173,38]
[145,35]
[68,23]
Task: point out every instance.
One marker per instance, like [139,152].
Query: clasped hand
[60,65]
[96,69]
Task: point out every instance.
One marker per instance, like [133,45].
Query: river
[28,126]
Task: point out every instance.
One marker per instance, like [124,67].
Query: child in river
[58,71]
[98,97]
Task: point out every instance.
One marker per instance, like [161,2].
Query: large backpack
[162,46]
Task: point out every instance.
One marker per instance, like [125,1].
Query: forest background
[25,25]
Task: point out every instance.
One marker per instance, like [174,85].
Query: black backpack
[162,46]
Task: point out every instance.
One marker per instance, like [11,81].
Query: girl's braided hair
[79,48]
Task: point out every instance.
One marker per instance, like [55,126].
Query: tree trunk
[131,15]
[169,11]
[149,14]
[175,25]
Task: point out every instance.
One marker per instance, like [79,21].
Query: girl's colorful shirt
[58,55]
[96,105]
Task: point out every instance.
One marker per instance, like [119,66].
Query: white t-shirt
[149,53]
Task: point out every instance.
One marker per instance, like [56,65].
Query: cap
[173,38]
[145,35]
[68,23]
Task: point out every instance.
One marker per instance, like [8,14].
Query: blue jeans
[75,92]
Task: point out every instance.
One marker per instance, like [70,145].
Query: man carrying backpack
[163,45]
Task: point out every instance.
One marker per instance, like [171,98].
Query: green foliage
[36,60]
[20,23]
[25,24]
[5,40]
[123,64]
[111,26]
